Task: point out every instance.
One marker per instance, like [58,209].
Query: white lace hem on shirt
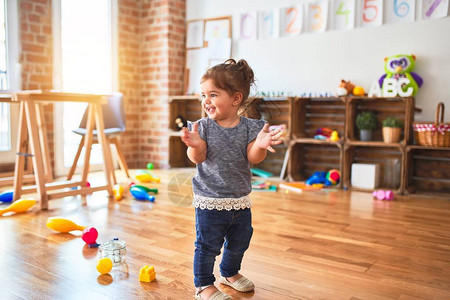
[221,203]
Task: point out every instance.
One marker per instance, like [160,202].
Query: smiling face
[217,103]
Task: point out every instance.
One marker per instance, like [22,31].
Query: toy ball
[333,176]
[104,265]
[358,91]
[149,166]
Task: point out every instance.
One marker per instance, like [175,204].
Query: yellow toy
[334,136]
[104,265]
[144,176]
[19,206]
[358,91]
[147,274]
[118,192]
[63,225]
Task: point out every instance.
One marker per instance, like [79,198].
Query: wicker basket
[433,134]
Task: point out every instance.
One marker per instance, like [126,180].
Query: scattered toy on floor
[261,173]
[104,265]
[148,190]
[140,194]
[89,236]
[145,176]
[19,206]
[7,196]
[147,274]
[149,166]
[118,192]
[63,225]
[383,195]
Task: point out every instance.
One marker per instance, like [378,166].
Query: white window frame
[60,170]
[13,75]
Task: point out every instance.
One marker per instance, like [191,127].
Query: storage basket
[433,134]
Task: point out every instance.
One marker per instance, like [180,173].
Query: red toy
[90,236]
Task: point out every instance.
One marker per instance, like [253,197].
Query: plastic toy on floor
[147,274]
[141,194]
[148,190]
[383,195]
[118,192]
[89,236]
[145,176]
[63,225]
[104,265]
[19,206]
[7,196]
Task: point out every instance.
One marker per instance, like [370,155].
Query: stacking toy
[147,274]
[89,236]
[7,196]
[149,166]
[104,265]
[63,225]
[140,194]
[144,176]
[19,206]
[118,192]
[148,190]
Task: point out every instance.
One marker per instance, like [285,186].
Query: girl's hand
[266,139]
[191,138]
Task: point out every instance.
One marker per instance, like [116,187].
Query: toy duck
[334,136]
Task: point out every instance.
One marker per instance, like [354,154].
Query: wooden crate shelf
[178,157]
[390,160]
[307,158]
[189,107]
[427,170]
[401,108]
[310,114]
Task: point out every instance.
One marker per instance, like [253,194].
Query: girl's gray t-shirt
[226,171]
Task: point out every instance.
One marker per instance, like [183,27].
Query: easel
[31,121]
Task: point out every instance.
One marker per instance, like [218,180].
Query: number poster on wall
[342,15]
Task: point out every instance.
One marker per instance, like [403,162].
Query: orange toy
[19,206]
[63,225]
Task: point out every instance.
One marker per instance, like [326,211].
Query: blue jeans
[213,227]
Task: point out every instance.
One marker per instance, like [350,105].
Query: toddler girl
[223,145]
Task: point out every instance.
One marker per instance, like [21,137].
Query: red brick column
[37,53]
[130,75]
[162,63]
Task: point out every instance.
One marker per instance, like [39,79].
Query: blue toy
[327,178]
[7,196]
[140,194]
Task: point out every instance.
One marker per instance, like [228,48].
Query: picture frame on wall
[194,34]
[217,28]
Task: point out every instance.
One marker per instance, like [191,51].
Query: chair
[114,119]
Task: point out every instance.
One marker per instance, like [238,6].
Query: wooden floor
[330,244]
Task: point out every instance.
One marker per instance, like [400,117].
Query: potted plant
[392,127]
[366,121]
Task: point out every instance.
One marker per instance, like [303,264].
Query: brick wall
[151,64]
[162,63]
[37,55]
[130,76]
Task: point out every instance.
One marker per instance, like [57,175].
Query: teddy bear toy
[401,66]
[345,88]
[180,122]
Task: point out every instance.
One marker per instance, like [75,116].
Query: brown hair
[232,77]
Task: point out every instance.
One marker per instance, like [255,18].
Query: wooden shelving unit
[427,170]
[404,168]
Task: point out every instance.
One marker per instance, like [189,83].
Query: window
[85,63]
[9,77]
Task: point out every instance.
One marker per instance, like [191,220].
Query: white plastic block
[365,176]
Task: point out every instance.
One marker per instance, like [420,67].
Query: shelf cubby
[427,170]
[390,160]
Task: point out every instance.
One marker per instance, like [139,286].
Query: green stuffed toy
[401,66]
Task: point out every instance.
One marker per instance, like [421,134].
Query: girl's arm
[257,150]
[196,146]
